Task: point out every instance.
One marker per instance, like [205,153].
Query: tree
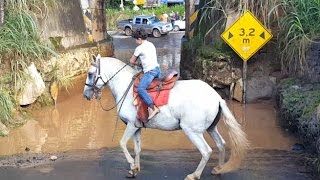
[1,12]
[98,20]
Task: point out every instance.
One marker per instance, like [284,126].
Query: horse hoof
[215,171]
[189,177]
[132,173]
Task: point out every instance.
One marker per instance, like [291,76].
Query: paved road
[156,165]
[168,47]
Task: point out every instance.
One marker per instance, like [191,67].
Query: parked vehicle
[151,24]
[172,2]
[179,25]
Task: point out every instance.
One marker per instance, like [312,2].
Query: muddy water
[79,124]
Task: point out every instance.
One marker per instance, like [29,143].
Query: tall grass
[20,44]
[19,38]
[6,105]
[300,25]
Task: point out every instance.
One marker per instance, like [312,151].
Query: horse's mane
[117,64]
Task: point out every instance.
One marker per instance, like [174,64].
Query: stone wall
[64,25]
[312,73]
[71,63]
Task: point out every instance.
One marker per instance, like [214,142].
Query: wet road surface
[168,48]
[159,165]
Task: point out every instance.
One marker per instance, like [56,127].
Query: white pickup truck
[151,24]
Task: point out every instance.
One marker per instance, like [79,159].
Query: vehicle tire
[156,33]
[128,31]
[176,28]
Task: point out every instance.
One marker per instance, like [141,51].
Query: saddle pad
[158,90]
[159,98]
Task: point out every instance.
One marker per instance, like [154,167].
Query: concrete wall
[312,72]
[65,24]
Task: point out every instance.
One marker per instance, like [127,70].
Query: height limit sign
[246,36]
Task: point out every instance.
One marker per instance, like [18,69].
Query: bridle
[98,90]
[94,85]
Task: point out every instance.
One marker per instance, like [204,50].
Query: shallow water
[80,124]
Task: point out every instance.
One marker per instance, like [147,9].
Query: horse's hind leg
[128,133]
[214,133]
[198,140]
[137,148]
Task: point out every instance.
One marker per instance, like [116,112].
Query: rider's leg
[143,85]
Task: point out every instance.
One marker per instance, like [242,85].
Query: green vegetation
[298,102]
[19,46]
[7,105]
[115,14]
[299,26]
[215,50]
[299,107]
[20,43]
[295,23]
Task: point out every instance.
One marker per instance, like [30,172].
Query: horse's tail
[238,140]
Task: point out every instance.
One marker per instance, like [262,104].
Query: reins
[121,99]
[105,83]
[123,96]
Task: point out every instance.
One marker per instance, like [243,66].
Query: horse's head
[94,82]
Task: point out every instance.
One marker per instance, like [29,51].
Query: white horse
[193,106]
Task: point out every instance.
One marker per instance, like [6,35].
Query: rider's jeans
[144,84]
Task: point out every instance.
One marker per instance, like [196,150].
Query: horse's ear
[94,57]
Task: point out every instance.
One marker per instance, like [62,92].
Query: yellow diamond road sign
[246,36]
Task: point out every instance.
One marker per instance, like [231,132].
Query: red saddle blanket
[158,90]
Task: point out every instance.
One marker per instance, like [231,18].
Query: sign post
[246,36]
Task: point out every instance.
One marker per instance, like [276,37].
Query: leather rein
[98,90]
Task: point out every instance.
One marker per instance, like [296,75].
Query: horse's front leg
[128,133]
[137,148]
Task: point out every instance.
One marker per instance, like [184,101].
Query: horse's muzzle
[88,95]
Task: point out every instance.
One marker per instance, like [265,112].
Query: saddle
[158,90]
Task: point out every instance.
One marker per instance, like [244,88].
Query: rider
[150,66]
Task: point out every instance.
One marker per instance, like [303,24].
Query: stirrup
[152,112]
[138,124]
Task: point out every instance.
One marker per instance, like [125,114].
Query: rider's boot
[153,111]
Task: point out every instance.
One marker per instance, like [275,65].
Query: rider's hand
[132,64]
[136,64]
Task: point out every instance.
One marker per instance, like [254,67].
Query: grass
[20,42]
[20,45]
[7,105]
[299,28]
